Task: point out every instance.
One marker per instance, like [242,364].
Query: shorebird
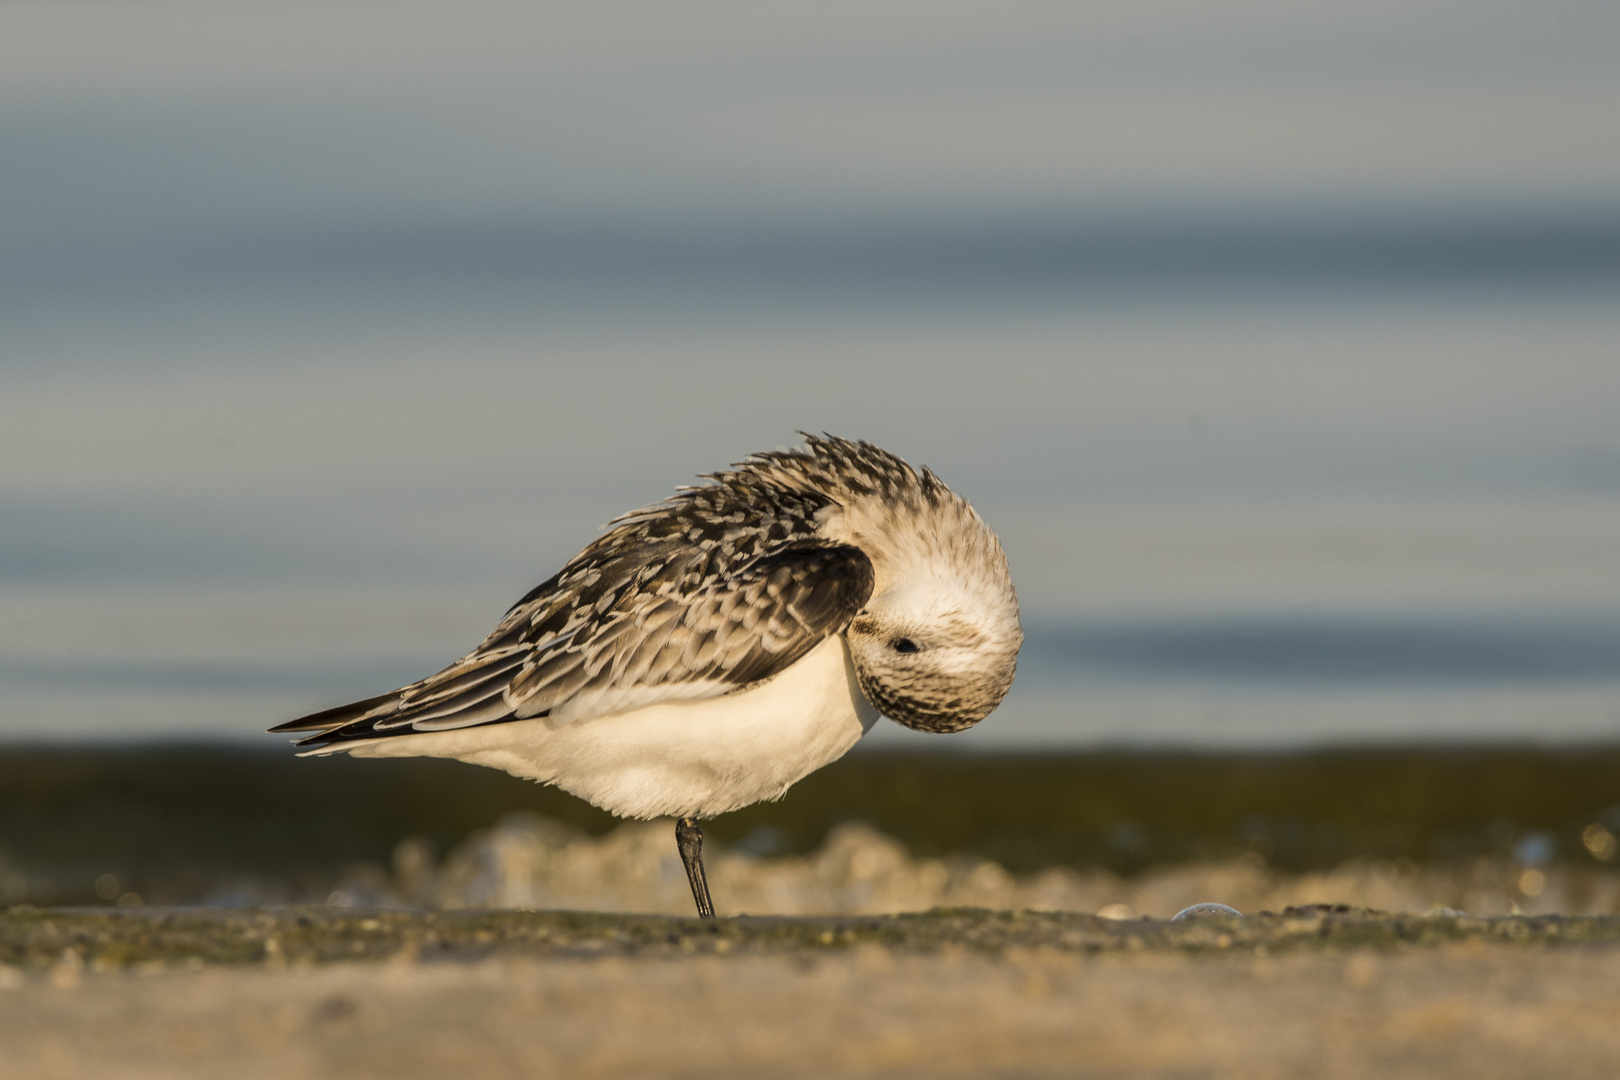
[709,651]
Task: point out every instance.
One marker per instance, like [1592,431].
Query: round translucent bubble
[1198,911]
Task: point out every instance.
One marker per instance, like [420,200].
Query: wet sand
[968,993]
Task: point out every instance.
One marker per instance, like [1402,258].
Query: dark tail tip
[331,718]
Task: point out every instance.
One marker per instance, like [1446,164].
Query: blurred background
[1277,340]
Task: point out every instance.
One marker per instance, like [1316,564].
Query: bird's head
[936,646]
[936,654]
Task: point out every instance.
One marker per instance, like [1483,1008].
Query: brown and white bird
[709,651]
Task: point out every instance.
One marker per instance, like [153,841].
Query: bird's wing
[639,624]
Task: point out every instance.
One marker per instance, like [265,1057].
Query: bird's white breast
[682,758]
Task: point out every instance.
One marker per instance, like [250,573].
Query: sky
[328,329]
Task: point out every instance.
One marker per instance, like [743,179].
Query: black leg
[689,841]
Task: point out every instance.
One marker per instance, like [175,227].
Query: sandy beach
[969,993]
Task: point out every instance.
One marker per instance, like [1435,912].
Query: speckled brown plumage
[725,582]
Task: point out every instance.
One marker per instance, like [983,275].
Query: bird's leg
[689,841]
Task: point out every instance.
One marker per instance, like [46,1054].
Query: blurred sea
[1277,342]
[1263,482]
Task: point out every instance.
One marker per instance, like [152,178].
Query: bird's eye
[905,645]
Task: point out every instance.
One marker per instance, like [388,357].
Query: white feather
[675,758]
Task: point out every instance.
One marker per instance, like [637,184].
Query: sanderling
[709,651]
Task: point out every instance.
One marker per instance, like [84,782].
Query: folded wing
[654,623]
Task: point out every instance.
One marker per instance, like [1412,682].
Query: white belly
[691,758]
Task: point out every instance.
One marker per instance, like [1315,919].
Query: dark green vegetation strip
[160,817]
[109,940]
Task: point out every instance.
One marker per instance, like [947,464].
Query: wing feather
[481,672]
[663,627]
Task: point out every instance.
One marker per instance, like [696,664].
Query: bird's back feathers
[719,587]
